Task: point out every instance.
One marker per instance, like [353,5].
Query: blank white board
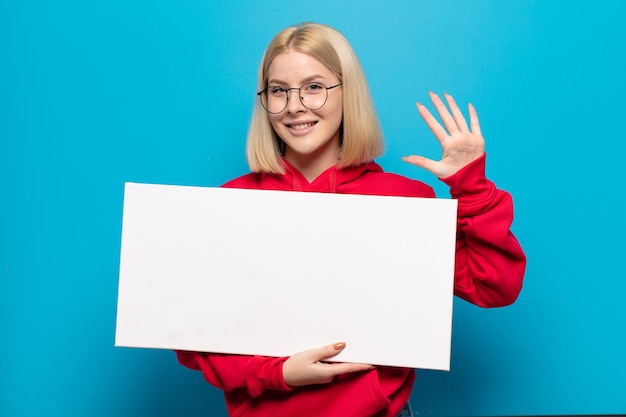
[274,273]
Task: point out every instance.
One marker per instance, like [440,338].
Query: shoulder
[377,182]
[403,186]
[260,181]
[251,180]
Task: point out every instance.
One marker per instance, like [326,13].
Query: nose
[294,104]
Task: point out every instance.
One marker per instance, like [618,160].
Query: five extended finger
[422,162]
[432,123]
[475,125]
[446,117]
[456,112]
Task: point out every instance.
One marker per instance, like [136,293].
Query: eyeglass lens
[312,96]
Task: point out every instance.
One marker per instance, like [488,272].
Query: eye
[313,88]
[276,90]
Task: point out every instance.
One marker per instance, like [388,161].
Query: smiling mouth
[301,126]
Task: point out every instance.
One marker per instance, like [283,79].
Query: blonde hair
[361,136]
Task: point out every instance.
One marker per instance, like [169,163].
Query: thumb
[329,351]
[422,162]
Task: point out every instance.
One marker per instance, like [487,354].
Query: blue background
[93,94]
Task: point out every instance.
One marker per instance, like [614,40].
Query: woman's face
[311,136]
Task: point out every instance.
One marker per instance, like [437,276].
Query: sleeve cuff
[266,373]
[470,179]
[470,185]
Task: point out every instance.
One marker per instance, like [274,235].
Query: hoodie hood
[329,181]
[366,179]
[333,180]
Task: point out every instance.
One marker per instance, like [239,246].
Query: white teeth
[301,126]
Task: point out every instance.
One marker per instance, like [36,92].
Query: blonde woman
[314,129]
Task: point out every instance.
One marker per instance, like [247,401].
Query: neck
[309,167]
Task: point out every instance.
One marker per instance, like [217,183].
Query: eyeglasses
[313,96]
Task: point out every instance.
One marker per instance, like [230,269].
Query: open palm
[460,143]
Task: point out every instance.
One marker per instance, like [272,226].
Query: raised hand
[460,143]
[307,368]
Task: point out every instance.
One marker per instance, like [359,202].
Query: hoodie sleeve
[232,372]
[490,263]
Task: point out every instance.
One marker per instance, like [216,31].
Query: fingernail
[339,346]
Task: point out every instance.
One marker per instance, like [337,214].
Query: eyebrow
[304,81]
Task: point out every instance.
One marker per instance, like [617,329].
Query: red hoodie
[489,270]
